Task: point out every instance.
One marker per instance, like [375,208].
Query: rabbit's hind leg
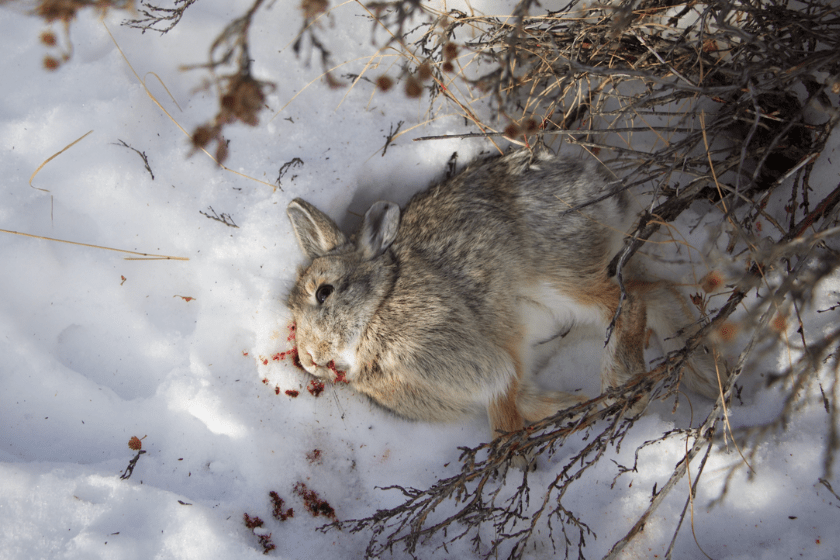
[597,302]
[624,354]
[504,411]
[505,418]
[503,408]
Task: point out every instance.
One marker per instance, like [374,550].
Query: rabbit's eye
[323,292]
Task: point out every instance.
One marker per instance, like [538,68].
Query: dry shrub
[718,103]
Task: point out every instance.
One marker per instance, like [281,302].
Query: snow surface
[96,349]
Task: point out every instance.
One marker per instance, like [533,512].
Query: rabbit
[437,310]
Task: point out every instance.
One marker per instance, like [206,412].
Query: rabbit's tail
[671,318]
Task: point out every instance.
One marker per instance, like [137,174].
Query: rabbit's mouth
[331,371]
[339,374]
[309,364]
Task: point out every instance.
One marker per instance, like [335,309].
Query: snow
[97,349]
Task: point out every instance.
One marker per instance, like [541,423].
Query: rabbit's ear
[316,233]
[379,229]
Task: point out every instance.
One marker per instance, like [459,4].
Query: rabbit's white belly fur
[545,312]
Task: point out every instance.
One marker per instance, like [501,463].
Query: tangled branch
[737,99]
[714,102]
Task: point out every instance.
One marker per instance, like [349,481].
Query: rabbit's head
[341,286]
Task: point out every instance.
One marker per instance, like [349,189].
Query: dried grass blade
[139,257]
[52,157]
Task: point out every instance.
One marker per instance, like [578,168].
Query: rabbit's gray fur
[436,309]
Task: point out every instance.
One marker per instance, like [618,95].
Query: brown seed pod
[726,332]
[384,83]
[712,281]
[779,323]
[202,136]
[313,8]
[512,130]
[413,87]
[51,63]
[450,51]
[424,71]
[57,10]
[532,126]
[48,38]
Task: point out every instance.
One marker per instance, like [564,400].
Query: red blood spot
[278,512]
[244,353]
[277,357]
[339,375]
[265,380]
[253,522]
[314,456]
[265,540]
[314,504]
[265,361]
[315,387]
[292,393]
[276,390]
[296,359]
